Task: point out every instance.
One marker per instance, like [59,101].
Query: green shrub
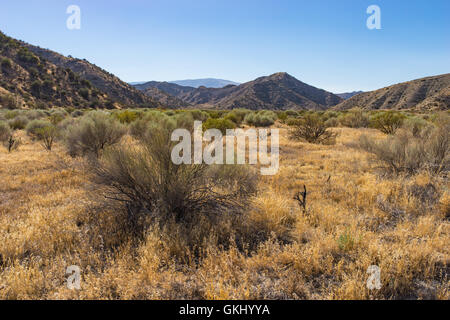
[93,133]
[35,114]
[199,115]
[312,129]
[18,123]
[126,116]
[220,124]
[237,115]
[387,122]
[332,123]
[35,125]
[263,118]
[47,135]
[355,118]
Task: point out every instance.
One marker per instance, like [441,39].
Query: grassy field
[52,216]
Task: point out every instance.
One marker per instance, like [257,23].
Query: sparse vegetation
[411,151]
[141,227]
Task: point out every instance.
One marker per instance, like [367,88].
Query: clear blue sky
[323,42]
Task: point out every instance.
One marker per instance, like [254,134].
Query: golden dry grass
[51,217]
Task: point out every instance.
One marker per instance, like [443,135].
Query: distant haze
[209,83]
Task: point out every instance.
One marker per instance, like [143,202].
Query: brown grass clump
[52,217]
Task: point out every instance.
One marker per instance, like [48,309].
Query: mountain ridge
[279,91]
[429,93]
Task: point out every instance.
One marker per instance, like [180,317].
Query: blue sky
[323,42]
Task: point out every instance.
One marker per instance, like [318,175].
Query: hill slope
[115,88]
[431,93]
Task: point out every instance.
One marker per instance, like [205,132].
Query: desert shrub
[263,118]
[184,120]
[282,116]
[47,135]
[18,123]
[140,126]
[355,118]
[5,131]
[199,115]
[407,153]
[220,124]
[387,122]
[332,123]
[11,114]
[6,64]
[312,129]
[35,114]
[57,116]
[292,113]
[126,116]
[93,133]
[237,115]
[35,125]
[416,125]
[12,143]
[155,190]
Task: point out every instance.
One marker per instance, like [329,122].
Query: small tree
[388,122]
[48,135]
[312,129]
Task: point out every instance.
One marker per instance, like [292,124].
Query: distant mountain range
[196,83]
[279,91]
[34,77]
[348,95]
[208,83]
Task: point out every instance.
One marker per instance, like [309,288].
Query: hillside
[279,91]
[431,93]
[37,78]
[115,88]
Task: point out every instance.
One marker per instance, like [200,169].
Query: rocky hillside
[279,91]
[431,93]
[108,83]
[37,78]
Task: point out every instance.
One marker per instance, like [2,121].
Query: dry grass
[51,217]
